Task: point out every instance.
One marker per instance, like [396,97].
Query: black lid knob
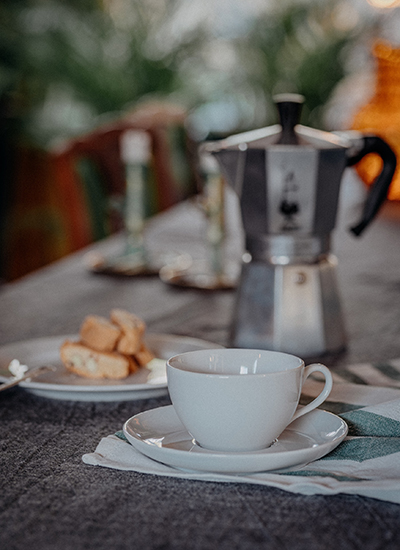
[289,108]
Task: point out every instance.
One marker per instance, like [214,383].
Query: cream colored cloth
[366,463]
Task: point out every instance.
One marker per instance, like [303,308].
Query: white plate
[61,384]
[159,434]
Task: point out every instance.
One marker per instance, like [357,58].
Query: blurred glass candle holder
[135,153]
[214,272]
[135,259]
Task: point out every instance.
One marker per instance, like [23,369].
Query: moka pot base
[294,308]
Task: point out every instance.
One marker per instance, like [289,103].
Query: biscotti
[108,348]
[132,330]
[99,333]
[144,355]
[90,363]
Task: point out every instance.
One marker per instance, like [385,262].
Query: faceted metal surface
[288,298]
[294,309]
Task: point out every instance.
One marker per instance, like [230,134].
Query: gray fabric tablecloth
[50,499]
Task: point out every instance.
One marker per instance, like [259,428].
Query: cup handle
[315,367]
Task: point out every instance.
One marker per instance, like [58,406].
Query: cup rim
[177,367]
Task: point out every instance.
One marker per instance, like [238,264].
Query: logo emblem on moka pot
[287,177]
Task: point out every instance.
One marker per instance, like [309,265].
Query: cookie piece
[99,333]
[144,355]
[90,363]
[132,329]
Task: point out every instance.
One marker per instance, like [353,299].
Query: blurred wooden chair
[67,198]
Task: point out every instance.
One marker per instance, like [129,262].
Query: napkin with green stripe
[366,463]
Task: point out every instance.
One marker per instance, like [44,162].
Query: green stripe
[363,423]
[388,370]
[335,407]
[315,473]
[350,377]
[364,448]
[121,435]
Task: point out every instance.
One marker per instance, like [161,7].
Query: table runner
[366,463]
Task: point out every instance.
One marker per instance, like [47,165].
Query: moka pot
[287,178]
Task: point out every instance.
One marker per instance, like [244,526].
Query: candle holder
[134,259]
[213,272]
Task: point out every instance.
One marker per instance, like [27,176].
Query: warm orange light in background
[381,115]
[384,3]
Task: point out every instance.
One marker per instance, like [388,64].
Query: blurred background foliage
[64,63]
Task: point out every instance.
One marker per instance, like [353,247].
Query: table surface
[50,499]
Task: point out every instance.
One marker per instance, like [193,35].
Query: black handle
[380,187]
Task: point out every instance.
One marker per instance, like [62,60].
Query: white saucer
[159,434]
[150,381]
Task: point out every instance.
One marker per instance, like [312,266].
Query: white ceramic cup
[239,399]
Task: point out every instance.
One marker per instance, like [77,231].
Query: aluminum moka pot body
[287,178]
